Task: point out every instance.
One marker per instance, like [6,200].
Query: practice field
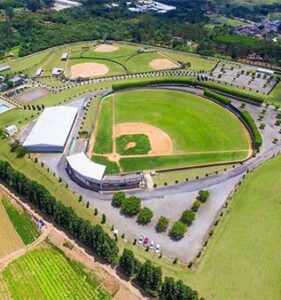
[192,130]
[46,273]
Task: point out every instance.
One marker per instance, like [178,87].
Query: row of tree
[149,278]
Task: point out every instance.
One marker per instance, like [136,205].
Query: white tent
[52,129]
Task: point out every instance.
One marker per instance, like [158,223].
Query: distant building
[17,80]
[11,130]
[38,72]
[64,56]
[265,71]
[57,72]
[5,68]
[64,4]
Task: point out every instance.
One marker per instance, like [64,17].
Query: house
[11,130]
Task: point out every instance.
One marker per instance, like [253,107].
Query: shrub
[187,217]
[117,199]
[195,206]
[162,224]
[127,263]
[178,230]
[253,127]
[203,196]
[131,206]
[145,216]
[220,98]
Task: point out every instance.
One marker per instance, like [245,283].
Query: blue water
[3,108]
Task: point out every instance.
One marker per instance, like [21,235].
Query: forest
[42,28]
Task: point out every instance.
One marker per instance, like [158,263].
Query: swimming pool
[3,108]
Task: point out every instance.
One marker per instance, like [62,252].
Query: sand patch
[162,64]
[106,48]
[160,142]
[85,70]
[130,145]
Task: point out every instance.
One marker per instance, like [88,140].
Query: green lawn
[24,226]
[141,144]
[104,143]
[47,273]
[193,123]
[166,162]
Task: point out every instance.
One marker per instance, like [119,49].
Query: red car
[146,241]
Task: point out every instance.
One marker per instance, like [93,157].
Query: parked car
[157,248]
[140,239]
[151,247]
[146,241]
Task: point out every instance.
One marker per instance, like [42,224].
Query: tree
[127,263]
[203,196]
[178,230]
[195,206]
[149,278]
[145,216]
[187,217]
[131,206]
[117,199]
[162,224]
[172,290]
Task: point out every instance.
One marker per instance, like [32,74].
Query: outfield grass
[104,143]
[24,226]
[46,273]
[142,144]
[10,241]
[167,162]
[193,123]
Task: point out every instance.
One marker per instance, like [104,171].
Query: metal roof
[88,169]
[52,127]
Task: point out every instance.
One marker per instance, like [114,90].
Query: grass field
[46,273]
[201,131]
[104,143]
[10,241]
[24,226]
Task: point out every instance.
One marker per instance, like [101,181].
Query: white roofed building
[52,129]
[11,130]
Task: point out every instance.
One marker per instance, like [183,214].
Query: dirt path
[120,288]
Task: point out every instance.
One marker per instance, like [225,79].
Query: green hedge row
[251,123]
[220,98]
[210,85]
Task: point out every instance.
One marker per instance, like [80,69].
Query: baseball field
[157,129]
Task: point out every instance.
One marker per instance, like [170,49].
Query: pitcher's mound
[89,70]
[106,48]
[162,64]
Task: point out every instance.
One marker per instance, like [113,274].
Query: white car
[157,248]
[140,239]
[151,247]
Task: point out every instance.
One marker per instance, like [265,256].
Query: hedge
[254,129]
[215,96]
[210,85]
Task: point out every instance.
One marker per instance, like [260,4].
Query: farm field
[24,226]
[10,241]
[46,273]
[192,123]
